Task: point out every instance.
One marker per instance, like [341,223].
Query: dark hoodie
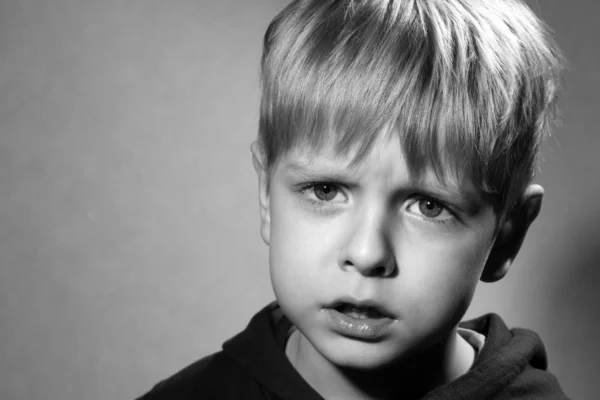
[253,365]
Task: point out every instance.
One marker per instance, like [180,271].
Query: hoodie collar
[260,351]
[505,355]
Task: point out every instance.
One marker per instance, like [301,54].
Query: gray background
[129,242]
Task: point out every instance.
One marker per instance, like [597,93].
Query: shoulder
[534,380]
[512,363]
[213,377]
[534,383]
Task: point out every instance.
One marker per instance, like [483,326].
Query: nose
[368,248]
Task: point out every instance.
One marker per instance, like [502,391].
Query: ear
[263,192]
[512,233]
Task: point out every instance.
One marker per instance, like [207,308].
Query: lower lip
[370,329]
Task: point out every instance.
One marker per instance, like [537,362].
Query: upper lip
[361,303]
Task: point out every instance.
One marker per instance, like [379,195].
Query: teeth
[360,312]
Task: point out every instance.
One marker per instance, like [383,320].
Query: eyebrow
[320,171]
[467,199]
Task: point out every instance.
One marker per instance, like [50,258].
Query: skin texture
[417,247]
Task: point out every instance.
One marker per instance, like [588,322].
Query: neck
[412,378]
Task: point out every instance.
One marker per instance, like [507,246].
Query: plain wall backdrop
[129,229]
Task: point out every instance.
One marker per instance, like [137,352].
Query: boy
[397,143]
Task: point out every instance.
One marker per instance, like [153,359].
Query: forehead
[384,163]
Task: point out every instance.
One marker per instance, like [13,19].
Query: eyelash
[317,204]
[446,221]
[320,204]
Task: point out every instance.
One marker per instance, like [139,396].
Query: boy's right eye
[325,191]
[321,193]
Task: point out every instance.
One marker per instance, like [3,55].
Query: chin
[360,355]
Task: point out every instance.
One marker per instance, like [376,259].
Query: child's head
[470,85]
[397,144]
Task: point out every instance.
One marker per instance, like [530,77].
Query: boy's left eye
[430,209]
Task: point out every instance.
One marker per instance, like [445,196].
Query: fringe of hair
[471,86]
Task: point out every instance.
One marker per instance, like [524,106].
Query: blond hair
[470,85]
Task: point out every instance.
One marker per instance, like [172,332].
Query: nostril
[381,268]
[379,271]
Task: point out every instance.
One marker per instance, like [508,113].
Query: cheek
[297,253]
[438,287]
[443,267]
[299,236]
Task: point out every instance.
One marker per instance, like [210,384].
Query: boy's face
[372,236]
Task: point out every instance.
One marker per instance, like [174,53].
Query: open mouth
[361,320]
[360,310]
